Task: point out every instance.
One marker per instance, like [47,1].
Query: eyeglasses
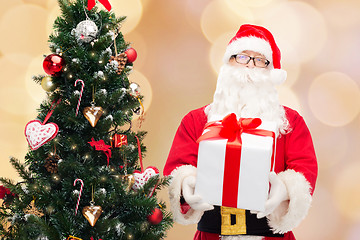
[245,59]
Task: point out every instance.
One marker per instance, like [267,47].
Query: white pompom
[278,76]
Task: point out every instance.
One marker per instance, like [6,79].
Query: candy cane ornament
[81,188]
[81,92]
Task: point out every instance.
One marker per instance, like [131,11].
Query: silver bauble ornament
[86,31]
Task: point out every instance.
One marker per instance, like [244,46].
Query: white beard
[247,92]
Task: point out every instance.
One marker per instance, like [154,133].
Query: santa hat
[257,39]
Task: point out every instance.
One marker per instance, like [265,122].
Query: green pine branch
[21,169]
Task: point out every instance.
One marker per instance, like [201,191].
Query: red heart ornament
[142,177]
[37,134]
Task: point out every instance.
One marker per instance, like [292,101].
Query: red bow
[231,129]
[91,4]
[101,146]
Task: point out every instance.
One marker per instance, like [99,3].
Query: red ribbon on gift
[230,128]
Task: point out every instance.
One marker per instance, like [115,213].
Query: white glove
[278,194]
[194,201]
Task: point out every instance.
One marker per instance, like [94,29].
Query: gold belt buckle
[240,224]
[73,238]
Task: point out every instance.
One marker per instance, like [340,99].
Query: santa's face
[249,59]
[247,91]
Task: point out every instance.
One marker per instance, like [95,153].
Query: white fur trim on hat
[290,213]
[250,43]
[178,175]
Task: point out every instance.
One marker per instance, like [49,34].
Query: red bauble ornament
[53,64]
[131,55]
[155,217]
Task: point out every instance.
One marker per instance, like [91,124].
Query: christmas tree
[83,176]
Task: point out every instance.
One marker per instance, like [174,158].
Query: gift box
[118,140]
[234,162]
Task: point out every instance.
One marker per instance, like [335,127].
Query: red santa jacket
[294,153]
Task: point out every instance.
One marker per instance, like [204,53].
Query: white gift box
[255,166]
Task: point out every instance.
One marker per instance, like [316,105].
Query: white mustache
[244,75]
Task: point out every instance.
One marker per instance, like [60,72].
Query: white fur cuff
[290,213]
[192,216]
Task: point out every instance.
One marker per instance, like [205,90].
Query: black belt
[211,222]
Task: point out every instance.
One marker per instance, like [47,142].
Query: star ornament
[31,209]
[91,4]
[101,146]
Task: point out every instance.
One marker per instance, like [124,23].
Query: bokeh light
[324,139]
[6,5]
[344,15]
[334,98]
[194,11]
[323,4]
[341,52]
[40,3]
[322,203]
[53,13]
[218,19]
[133,11]
[29,23]
[51,4]
[217,50]
[11,133]
[301,24]
[354,232]
[16,101]
[13,95]
[289,61]
[236,5]
[288,98]
[35,90]
[346,190]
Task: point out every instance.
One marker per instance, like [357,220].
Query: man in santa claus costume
[246,87]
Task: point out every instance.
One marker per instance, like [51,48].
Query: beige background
[180,46]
